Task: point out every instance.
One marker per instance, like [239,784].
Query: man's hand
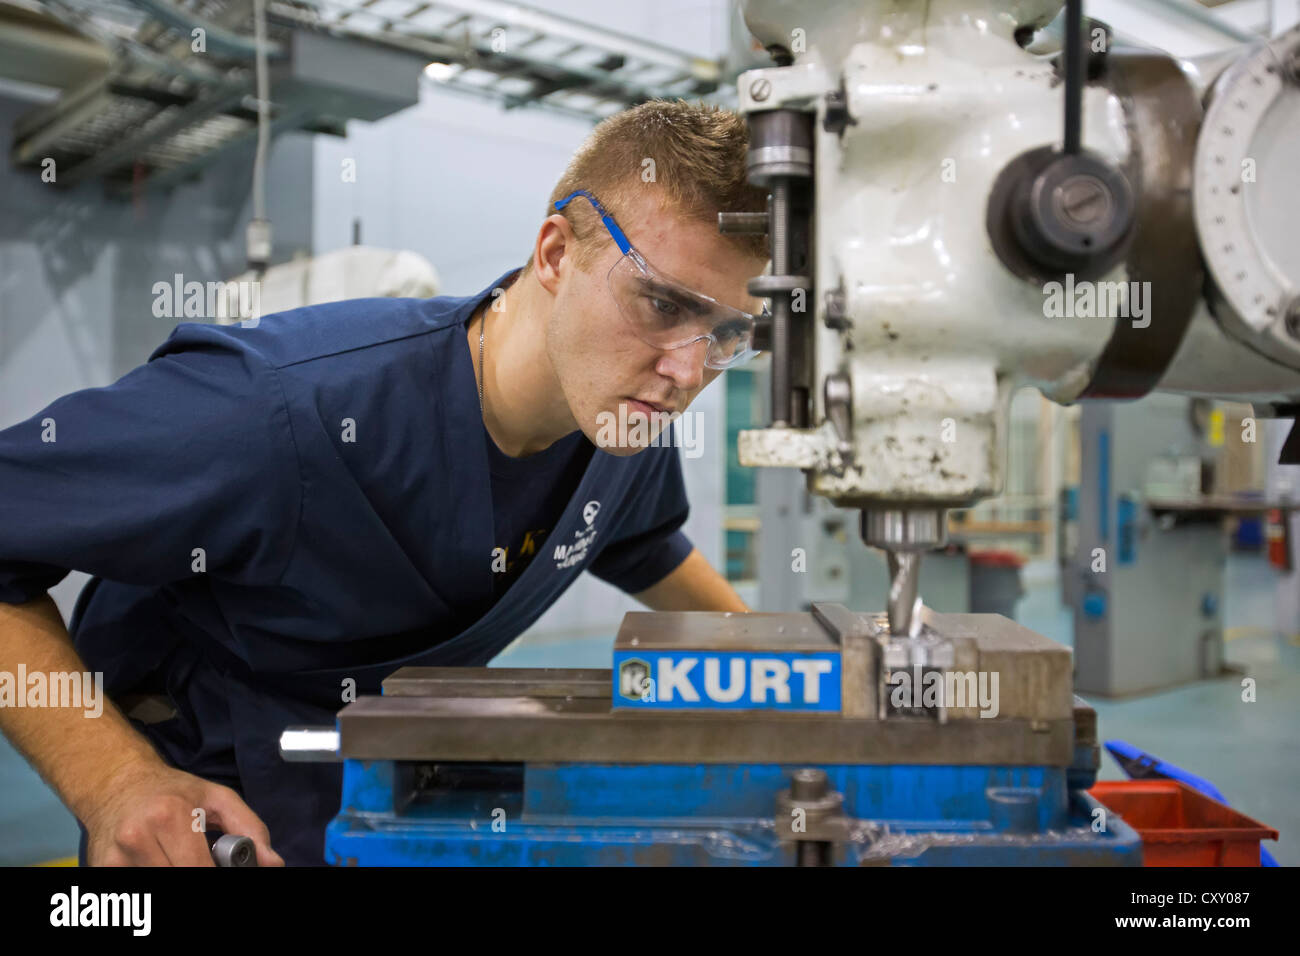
[147,819]
[136,808]
[692,586]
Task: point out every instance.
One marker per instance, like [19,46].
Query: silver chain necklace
[482,373]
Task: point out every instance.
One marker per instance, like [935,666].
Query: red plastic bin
[1180,826]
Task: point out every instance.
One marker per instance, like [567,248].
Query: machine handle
[229,849]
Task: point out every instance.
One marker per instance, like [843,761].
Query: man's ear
[553,251]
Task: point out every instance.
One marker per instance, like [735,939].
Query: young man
[280,516]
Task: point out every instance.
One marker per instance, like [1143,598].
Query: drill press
[931,181]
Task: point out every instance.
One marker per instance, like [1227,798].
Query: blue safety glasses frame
[666,313]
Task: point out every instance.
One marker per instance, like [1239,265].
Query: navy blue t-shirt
[528,495]
[278,515]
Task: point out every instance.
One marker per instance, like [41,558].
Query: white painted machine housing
[942,98]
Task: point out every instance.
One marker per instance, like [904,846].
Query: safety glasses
[666,313]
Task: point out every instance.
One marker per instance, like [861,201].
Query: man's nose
[685,365]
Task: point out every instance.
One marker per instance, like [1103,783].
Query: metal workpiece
[925,649]
[1028,675]
[498,682]
[922,659]
[725,631]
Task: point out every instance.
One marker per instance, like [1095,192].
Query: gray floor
[1250,751]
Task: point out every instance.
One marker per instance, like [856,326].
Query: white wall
[461,180]
[77,269]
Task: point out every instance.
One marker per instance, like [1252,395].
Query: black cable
[1075,64]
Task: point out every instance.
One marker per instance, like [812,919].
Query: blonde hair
[692,154]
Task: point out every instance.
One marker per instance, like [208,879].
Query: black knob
[1074,214]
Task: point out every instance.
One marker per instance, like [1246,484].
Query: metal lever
[229,849]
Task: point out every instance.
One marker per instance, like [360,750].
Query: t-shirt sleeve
[185,466]
[650,543]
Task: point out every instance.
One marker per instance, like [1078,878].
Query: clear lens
[667,315]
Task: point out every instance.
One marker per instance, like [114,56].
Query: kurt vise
[716,739]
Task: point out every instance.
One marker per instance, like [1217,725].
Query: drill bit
[904,606]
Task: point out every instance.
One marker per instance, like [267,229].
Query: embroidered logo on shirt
[567,555]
